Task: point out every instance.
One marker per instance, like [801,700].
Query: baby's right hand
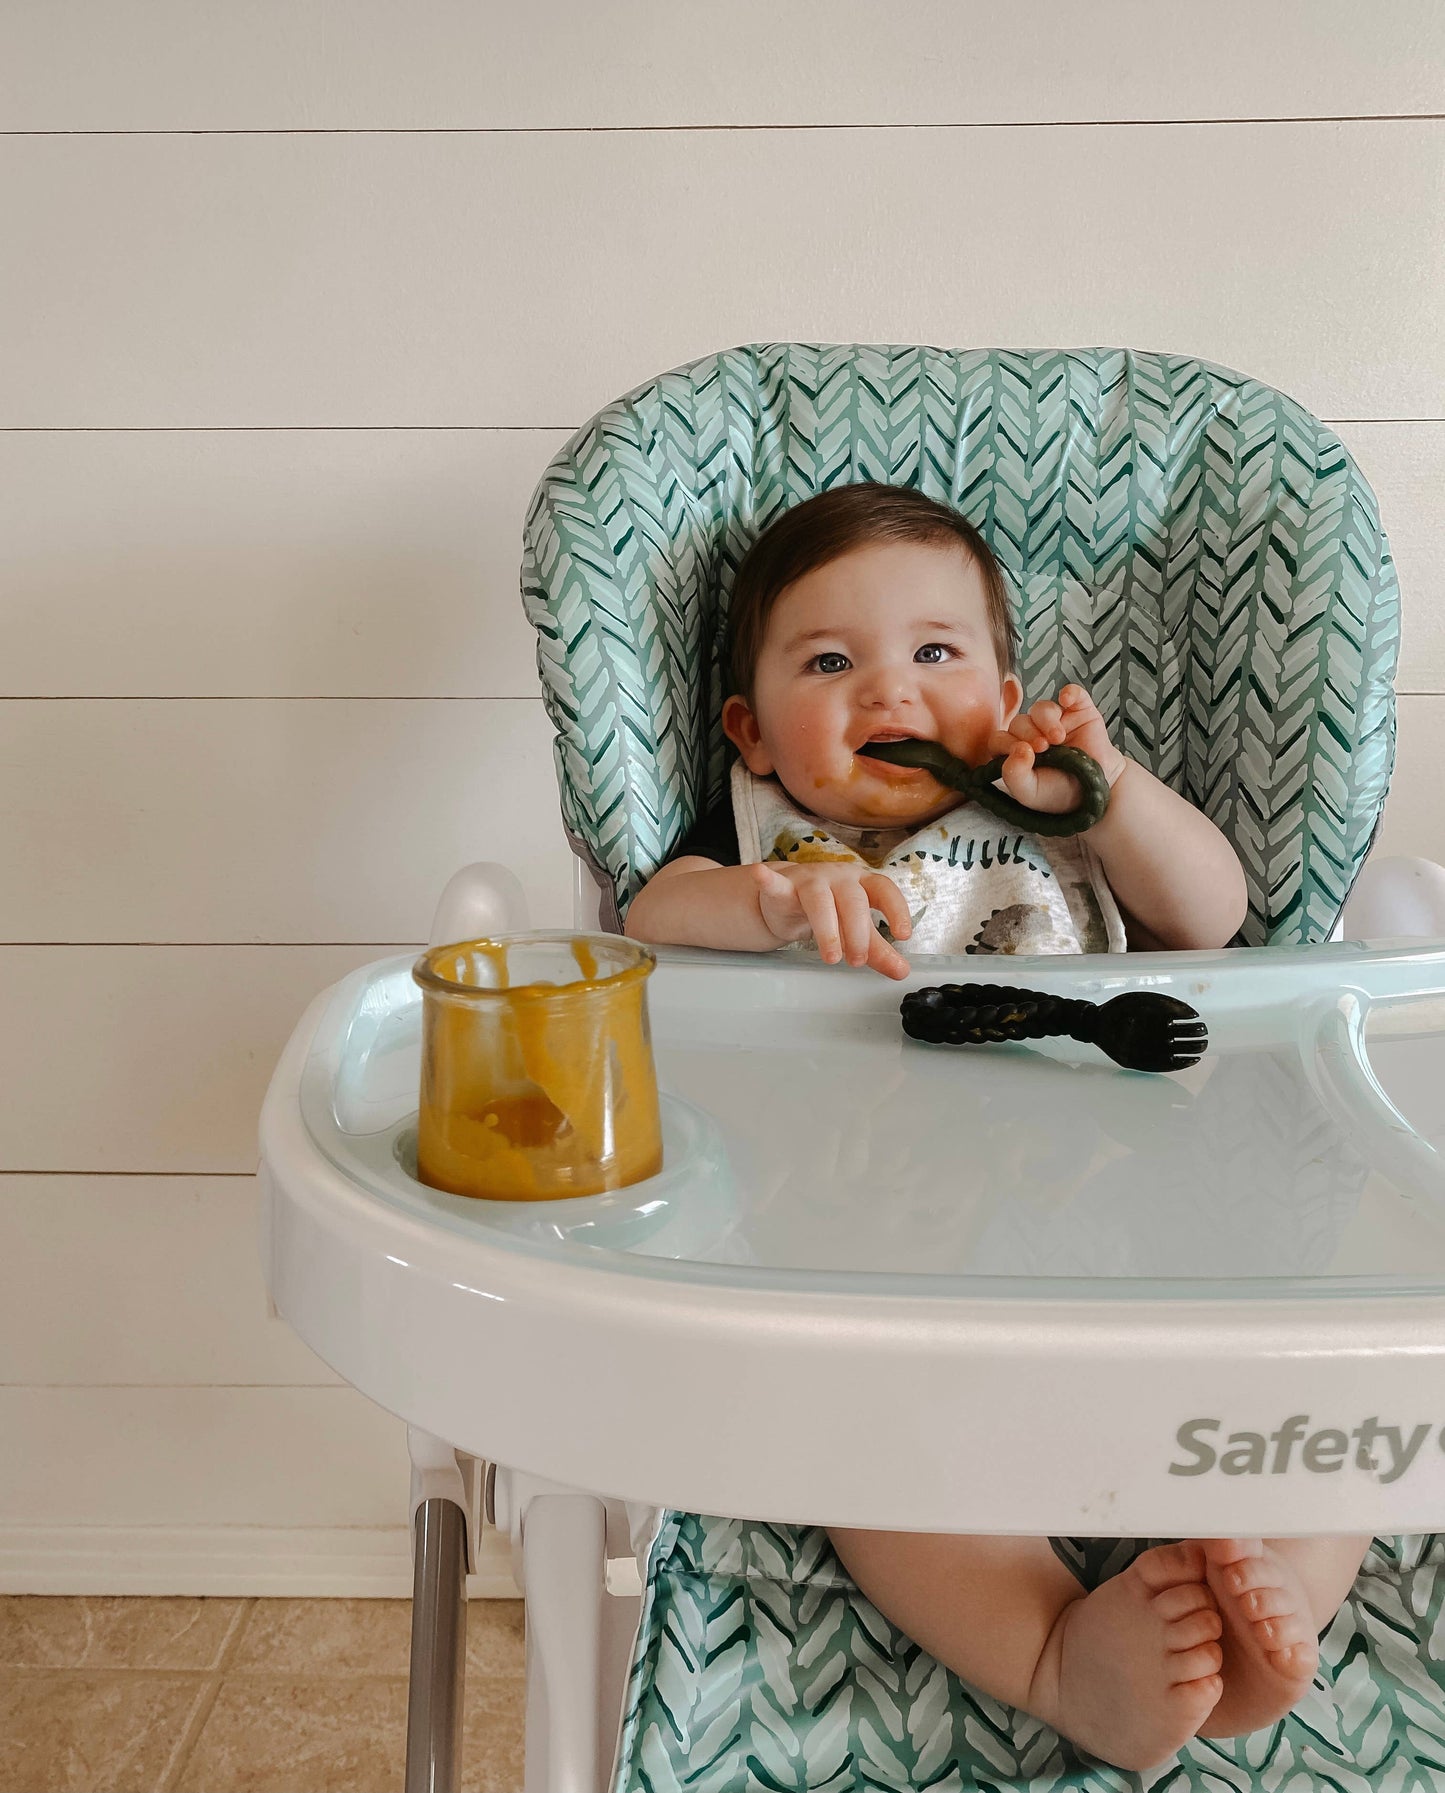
[831,901]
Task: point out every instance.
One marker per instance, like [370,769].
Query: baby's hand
[831,901]
[1073,721]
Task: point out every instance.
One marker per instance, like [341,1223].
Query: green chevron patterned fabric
[1205,557]
[762,1669]
[1192,546]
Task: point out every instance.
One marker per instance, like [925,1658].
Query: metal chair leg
[438,1649]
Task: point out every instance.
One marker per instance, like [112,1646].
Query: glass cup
[537,1078]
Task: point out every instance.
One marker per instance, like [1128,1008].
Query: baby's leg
[1127,1672]
[1275,1596]
[983,1605]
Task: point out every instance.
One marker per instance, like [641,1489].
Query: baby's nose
[887,685]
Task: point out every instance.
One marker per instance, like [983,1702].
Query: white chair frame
[582,1613]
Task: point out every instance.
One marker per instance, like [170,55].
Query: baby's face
[888,641]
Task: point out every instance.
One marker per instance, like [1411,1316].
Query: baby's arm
[756,908]
[1167,864]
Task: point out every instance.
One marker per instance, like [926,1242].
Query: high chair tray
[873,1272]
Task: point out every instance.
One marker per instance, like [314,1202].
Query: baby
[870,613]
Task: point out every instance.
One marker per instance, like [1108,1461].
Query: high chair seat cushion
[760,1668]
[1192,546]
[1206,558]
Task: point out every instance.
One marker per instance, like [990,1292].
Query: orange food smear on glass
[535,1091]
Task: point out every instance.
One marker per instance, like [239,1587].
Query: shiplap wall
[297,299]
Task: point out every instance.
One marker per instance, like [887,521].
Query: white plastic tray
[875,1274]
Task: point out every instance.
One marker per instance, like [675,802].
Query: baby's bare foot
[1269,1643]
[1131,1671]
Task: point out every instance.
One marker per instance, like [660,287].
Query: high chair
[1010,1292]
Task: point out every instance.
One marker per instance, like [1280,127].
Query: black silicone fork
[1143,1030]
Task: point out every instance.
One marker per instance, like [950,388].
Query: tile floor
[113,1695]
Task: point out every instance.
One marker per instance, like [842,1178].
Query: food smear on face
[896,794]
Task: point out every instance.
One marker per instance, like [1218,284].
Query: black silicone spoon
[1143,1030]
[977,782]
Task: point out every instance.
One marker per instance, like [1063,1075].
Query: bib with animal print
[972,883]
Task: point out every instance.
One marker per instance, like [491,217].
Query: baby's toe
[1296,1662]
[1282,1633]
[1239,1554]
[1201,1627]
[1268,1603]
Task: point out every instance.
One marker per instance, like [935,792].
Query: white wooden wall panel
[527,278]
[269,819]
[380,563]
[299,1491]
[271,563]
[1414,821]
[1405,465]
[150,1059]
[251,1456]
[71,65]
[149,1280]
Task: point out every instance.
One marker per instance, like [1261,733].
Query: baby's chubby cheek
[971,740]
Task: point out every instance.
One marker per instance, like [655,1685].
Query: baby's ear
[740,726]
[1010,701]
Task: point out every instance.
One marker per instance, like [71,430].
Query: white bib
[973,883]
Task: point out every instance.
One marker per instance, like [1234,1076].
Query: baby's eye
[829,662]
[932,653]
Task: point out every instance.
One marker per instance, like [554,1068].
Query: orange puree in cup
[537,1089]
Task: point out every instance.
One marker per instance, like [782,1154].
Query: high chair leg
[446,1518]
[564,1538]
[438,1649]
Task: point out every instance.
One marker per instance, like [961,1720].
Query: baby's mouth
[885,768]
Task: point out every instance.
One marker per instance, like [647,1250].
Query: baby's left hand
[1073,721]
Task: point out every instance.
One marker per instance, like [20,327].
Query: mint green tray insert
[1205,557]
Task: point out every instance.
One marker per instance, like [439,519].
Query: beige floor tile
[283,1735]
[324,1637]
[112,1631]
[92,1733]
[494,1638]
[313,1695]
[493,1733]
[366,1637]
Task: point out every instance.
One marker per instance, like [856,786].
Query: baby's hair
[829,525]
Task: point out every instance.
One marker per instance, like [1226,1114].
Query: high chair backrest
[1192,546]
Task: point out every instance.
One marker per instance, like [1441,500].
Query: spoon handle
[977,783]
